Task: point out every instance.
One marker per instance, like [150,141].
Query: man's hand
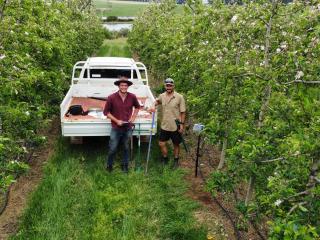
[181,128]
[152,109]
[119,123]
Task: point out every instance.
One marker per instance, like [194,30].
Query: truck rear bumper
[71,129]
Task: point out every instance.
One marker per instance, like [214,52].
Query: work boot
[109,168]
[125,168]
[176,163]
[165,160]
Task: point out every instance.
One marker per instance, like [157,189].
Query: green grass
[78,199]
[124,8]
[115,48]
[120,8]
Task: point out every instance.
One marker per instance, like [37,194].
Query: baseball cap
[169,81]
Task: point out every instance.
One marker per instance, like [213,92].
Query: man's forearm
[134,115]
[156,103]
[182,117]
[109,115]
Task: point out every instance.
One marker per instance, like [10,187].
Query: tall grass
[78,199]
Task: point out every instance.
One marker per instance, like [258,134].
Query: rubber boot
[176,163]
[109,168]
[125,168]
[165,160]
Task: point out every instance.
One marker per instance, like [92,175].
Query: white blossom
[2,56]
[278,202]
[26,33]
[299,75]
[234,19]
[256,46]
[278,50]
[27,113]
[283,45]
[262,47]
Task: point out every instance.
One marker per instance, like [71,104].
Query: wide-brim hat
[123,81]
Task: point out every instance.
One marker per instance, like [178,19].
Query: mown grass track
[114,48]
[78,199]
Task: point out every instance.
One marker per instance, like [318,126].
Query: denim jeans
[116,137]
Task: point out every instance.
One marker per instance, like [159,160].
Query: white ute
[92,82]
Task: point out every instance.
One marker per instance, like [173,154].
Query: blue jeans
[117,136]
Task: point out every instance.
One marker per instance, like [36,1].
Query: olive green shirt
[171,109]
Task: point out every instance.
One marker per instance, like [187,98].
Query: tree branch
[250,74]
[295,207]
[275,159]
[302,81]
[306,192]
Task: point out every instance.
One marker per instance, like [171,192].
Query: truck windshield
[110,73]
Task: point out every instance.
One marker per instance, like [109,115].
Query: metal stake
[197,158]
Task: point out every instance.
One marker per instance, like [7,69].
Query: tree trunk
[2,8]
[313,174]
[250,190]
[267,92]
[223,152]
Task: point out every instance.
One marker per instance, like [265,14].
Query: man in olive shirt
[173,107]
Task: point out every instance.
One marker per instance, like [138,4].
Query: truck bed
[92,81]
[88,103]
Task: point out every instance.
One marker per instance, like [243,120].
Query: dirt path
[26,184]
[211,214]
